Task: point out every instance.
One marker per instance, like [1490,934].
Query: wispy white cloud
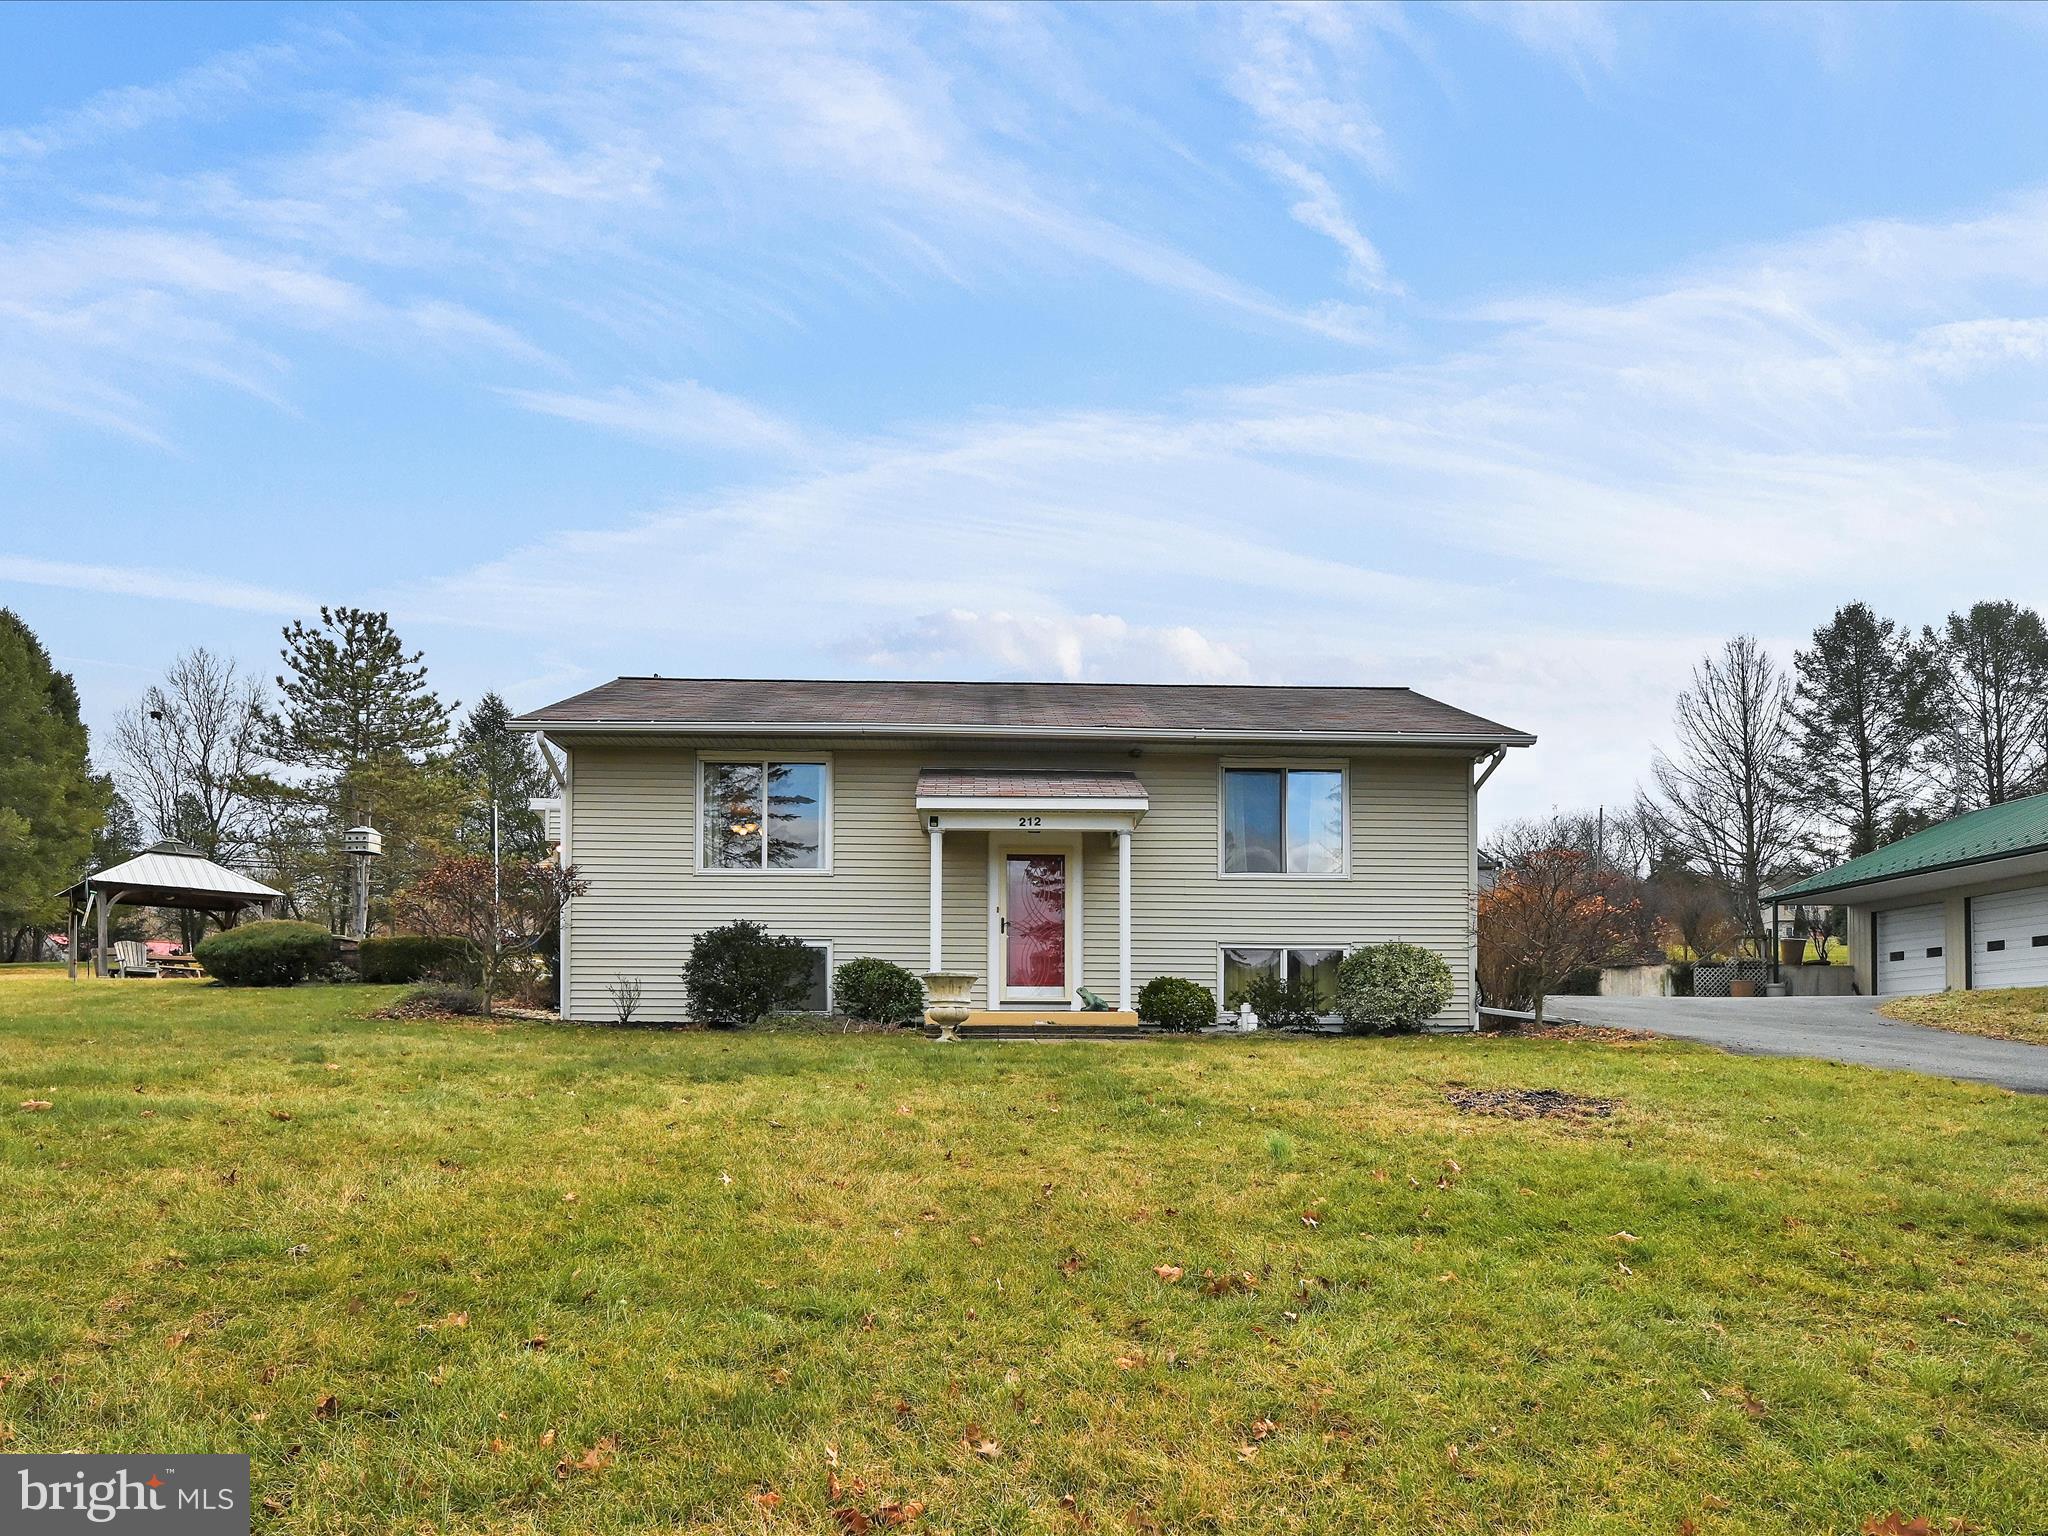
[1320,208]
[678,412]
[1578,34]
[207,86]
[1065,646]
[179,586]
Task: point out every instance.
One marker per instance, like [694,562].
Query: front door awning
[1051,797]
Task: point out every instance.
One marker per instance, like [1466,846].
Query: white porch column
[938,903]
[1123,918]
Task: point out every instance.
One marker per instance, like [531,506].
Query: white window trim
[703,843]
[1342,946]
[1341,766]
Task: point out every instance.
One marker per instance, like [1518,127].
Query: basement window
[1314,967]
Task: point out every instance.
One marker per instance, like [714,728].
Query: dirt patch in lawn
[1530,1103]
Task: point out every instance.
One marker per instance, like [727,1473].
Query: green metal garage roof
[1996,832]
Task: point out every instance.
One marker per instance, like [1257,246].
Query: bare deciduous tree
[189,751]
[1726,802]
[1558,906]
[1992,701]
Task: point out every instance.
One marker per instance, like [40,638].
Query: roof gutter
[1794,893]
[1031,732]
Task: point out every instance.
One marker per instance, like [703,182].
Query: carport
[174,875]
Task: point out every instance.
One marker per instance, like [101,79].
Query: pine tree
[356,713]
[354,700]
[501,768]
[1863,711]
[1993,702]
[51,802]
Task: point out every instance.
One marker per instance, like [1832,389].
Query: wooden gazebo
[174,875]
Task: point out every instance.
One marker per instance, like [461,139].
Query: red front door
[1035,926]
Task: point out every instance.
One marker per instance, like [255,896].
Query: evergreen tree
[51,802]
[501,768]
[356,714]
[1863,710]
[1992,700]
[354,698]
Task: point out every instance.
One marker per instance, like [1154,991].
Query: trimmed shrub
[1280,1004]
[1681,978]
[1382,988]
[1174,1002]
[408,957]
[266,954]
[740,973]
[877,992]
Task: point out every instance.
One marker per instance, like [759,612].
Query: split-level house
[1044,837]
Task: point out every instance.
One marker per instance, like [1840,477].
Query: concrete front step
[1017,1024]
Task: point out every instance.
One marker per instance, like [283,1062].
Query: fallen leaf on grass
[892,1513]
[852,1521]
[1247,1452]
[33,1104]
[537,1343]
[767,1499]
[978,1441]
[280,1114]
[1311,1219]
[596,1459]
[1892,1523]
[1687,1526]
[1129,1362]
[1170,1273]
[547,1439]
[1263,1428]
[497,1446]
[1714,1501]
[326,1408]
[178,1339]
[455,1320]
[1626,1237]
[1072,1265]
[273,1505]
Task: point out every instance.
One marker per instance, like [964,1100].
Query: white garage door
[2009,939]
[1909,950]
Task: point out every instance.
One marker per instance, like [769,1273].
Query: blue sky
[1518,353]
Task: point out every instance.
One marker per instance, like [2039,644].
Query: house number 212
[1030,821]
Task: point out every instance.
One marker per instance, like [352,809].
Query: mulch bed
[1530,1103]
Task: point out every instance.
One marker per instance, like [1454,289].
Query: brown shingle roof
[1026,784]
[1113,709]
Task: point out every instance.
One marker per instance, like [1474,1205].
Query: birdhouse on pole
[361,844]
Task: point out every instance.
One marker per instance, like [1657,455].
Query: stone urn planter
[1742,987]
[947,992]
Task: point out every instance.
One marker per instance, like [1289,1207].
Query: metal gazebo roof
[174,875]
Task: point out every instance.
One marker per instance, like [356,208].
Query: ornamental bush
[877,992]
[1280,1004]
[1382,988]
[409,957]
[740,973]
[1174,1002]
[266,954]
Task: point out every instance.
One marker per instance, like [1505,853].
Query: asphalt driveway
[1846,1029]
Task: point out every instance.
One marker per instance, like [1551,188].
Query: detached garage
[1962,904]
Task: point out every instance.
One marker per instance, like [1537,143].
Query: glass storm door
[1034,927]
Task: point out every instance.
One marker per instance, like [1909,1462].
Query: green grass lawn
[2009,1013]
[443,1277]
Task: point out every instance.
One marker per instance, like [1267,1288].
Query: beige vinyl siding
[633,838]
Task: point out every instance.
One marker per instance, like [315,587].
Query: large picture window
[1313,966]
[1283,821]
[764,813]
